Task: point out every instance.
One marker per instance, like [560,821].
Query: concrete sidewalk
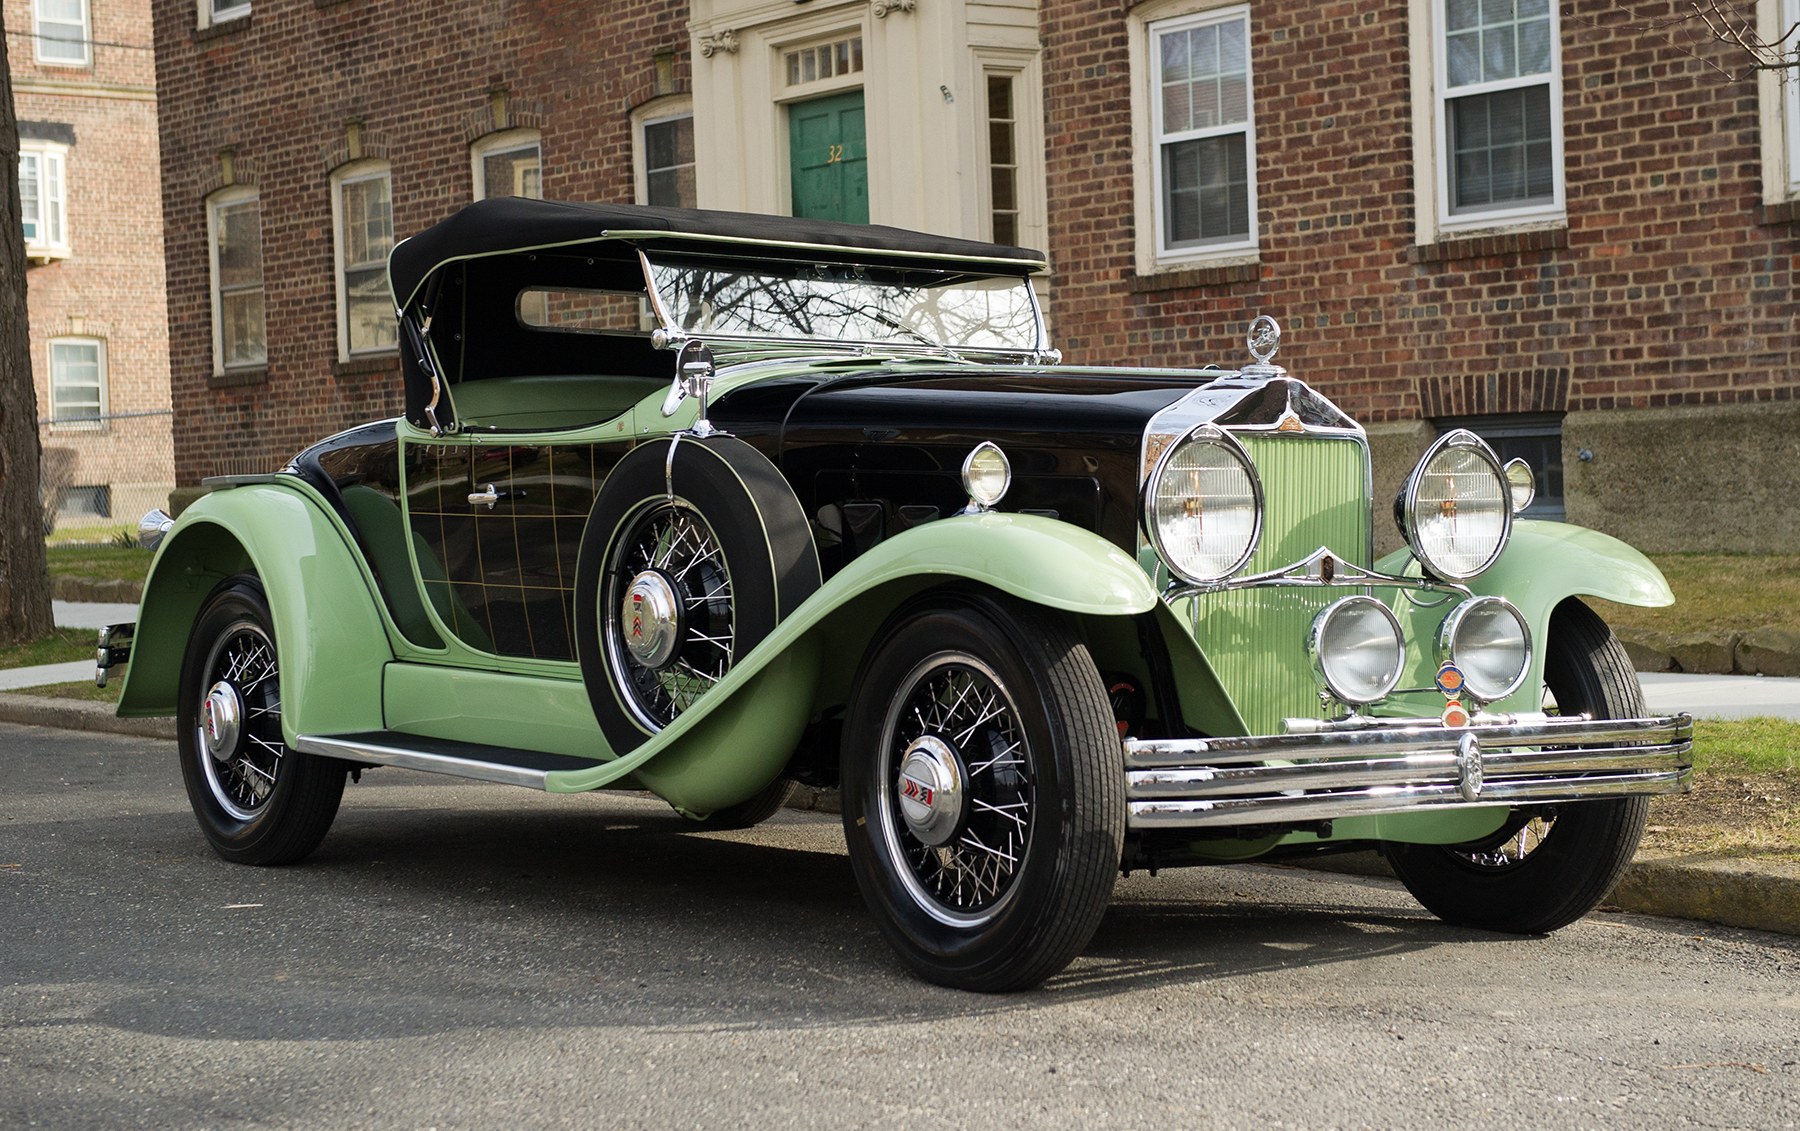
[1760,894]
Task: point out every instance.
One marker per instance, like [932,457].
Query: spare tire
[689,560]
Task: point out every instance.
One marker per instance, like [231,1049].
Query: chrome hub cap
[650,619]
[930,790]
[221,721]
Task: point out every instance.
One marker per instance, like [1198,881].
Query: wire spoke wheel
[960,806]
[983,790]
[670,611]
[240,721]
[257,800]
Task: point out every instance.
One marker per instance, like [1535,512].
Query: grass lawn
[99,563]
[60,647]
[1736,592]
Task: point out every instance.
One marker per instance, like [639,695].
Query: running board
[529,768]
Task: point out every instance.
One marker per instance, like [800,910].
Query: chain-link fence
[105,470]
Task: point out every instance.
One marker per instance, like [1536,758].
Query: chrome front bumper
[1362,767]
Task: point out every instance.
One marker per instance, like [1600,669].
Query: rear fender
[1543,565]
[330,639]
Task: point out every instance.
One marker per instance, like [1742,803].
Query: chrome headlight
[1455,509]
[1357,648]
[1203,506]
[1488,641]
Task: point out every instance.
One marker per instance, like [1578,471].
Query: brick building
[83,76]
[1545,222]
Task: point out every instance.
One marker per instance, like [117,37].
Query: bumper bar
[1366,767]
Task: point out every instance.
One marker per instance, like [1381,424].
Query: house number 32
[836,155]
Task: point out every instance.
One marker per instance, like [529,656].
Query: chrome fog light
[1488,641]
[986,474]
[1356,648]
[153,528]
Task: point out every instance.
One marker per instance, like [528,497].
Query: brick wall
[1666,289]
[277,90]
[111,285]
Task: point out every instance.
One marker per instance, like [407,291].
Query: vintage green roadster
[706,504]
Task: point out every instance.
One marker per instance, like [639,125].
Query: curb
[74,714]
[101,592]
[1761,895]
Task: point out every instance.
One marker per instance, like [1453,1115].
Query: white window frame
[1778,98]
[356,172]
[97,424]
[225,198]
[1146,21]
[210,13]
[52,240]
[668,109]
[86,27]
[1432,158]
[503,141]
[1028,143]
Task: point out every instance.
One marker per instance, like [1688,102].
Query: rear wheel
[1549,865]
[983,792]
[257,801]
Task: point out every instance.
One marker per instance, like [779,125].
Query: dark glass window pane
[1502,151]
[1206,190]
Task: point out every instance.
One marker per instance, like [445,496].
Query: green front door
[830,158]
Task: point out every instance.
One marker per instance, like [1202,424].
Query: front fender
[330,639]
[807,662]
[1543,565]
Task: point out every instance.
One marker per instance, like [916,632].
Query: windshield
[833,302]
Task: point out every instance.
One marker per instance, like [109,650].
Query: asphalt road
[461,955]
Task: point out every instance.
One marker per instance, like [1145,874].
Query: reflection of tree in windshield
[845,304]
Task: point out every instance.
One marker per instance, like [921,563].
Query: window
[1497,112]
[1789,28]
[508,164]
[664,152]
[84,502]
[42,196]
[1195,95]
[219,11]
[234,232]
[1535,438]
[77,382]
[1003,159]
[821,61]
[363,215]
[62,32]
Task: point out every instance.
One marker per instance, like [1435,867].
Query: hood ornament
[1265,338]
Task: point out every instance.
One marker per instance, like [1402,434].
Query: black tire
[1015,865]
[257,801]
[1550,865]
[749,534]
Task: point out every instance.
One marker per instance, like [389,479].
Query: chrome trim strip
[1361,767]
[384,754]
[1389,799]
[1307,573]
[1423,735]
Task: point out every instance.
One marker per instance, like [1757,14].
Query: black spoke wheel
[257,800]
[695,550]
[1549,865]
[983,792]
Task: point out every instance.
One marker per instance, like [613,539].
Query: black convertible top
[506,224]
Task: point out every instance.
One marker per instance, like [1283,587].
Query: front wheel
[1549,865]
[257,800]
[983,792]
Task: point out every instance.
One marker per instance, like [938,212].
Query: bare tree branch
[1716,21]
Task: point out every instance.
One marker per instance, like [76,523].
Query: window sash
[1003,157]
[669,166]
[365,236]
[1454,206]
[41,198]
[227,9]
[503,173]
[238,283]
[77,382]
[62,36]
[1218,124]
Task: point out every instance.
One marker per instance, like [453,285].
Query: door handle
[489,494]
